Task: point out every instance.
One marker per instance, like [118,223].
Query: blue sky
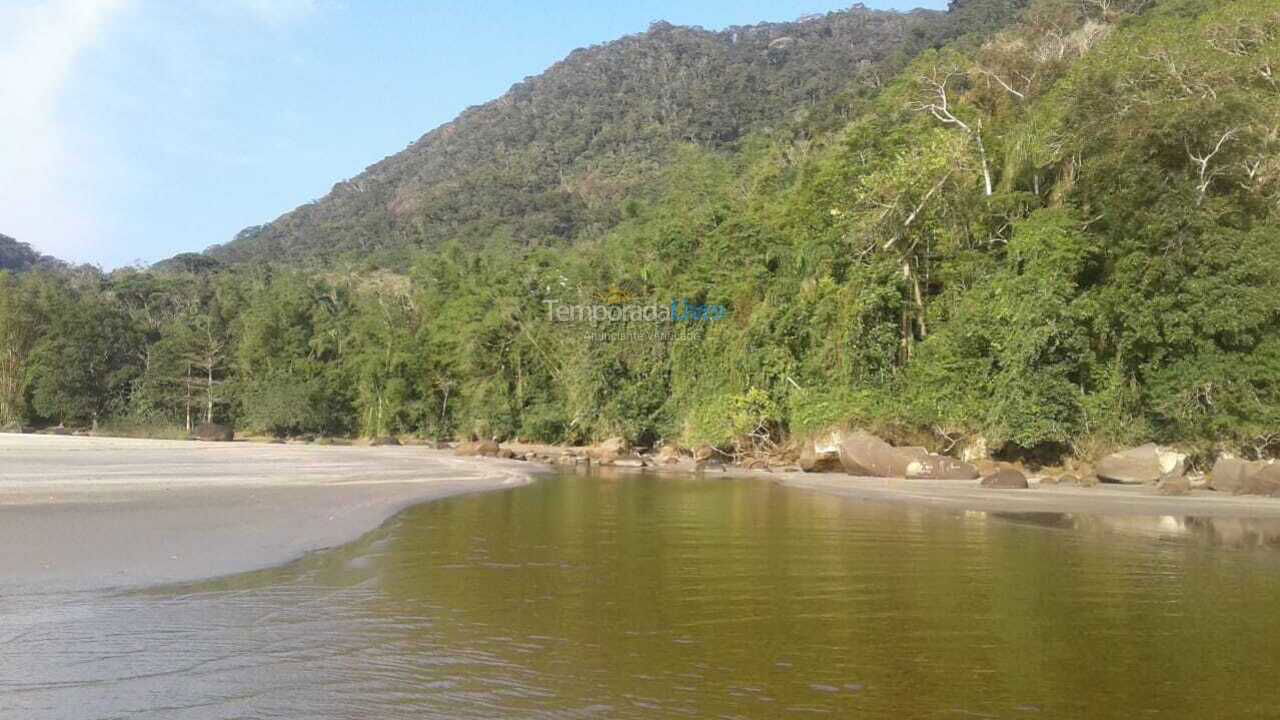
[131,130]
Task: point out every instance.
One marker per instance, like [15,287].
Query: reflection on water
[661,597]
[1236,533]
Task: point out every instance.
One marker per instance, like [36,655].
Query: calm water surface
[597,597]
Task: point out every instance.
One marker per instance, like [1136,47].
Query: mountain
[19,256]
[554,158]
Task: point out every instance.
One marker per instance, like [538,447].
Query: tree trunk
[986,169]
[208,413]
[919,298]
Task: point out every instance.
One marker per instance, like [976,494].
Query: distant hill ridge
[19,257]
[553,158]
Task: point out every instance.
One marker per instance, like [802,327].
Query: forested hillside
[1059,235]
[19,256]
[557,156]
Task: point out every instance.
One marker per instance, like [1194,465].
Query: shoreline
[91,513]
[968,495]
[965,495]
[87,513]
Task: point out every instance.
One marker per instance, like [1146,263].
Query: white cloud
[40,202]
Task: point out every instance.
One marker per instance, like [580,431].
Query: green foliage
[564,155]
[83,367]
[1060,235]
[749,419]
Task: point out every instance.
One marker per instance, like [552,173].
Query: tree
[21,326]
[83,368]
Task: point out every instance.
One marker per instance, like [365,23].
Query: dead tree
[939,106]
[1203,161]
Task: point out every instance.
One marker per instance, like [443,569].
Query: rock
[1180,485]
[941,467]
[703,453]
[668,455]
[1265,481]
[1088,480]
[1230,474]
[864,454]
[987,467]
[1147,464]
[1051,479]
[15,429]
[384,441]
[1006,479]
[506,453]
[821,454]
[482,448]
[614,447]
[630,461]
[569,459]
[213,432]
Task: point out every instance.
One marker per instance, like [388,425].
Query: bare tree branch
[1202,163]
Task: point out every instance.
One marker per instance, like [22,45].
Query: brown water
[666,598]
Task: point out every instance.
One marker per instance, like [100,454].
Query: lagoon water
[647,597]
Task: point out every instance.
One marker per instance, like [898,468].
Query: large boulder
[483,448]
[941,467]
[1266,481]
[822,454]
[1143,465]
[213,432]
[1230,474]
[1006,479]
[864,454]
[668,455]
[611,449]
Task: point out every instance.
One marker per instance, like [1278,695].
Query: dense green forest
[1058,233]
[557,157]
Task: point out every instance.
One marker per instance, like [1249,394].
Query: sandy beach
[79,513]
[90,513]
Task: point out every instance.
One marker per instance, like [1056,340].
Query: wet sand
[1105,499]
[80,513]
